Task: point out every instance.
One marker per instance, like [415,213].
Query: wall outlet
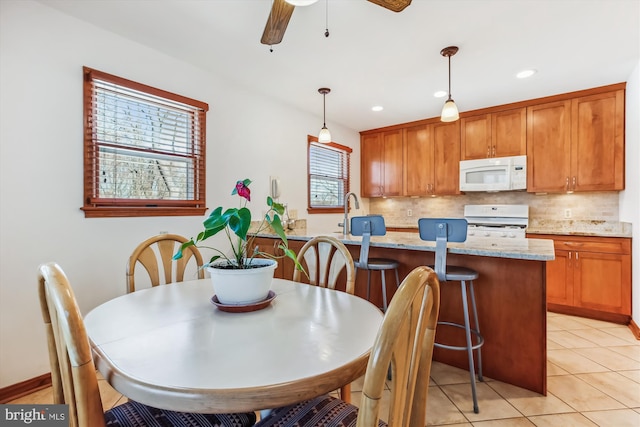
[567,213]
[293,213]
[409,212]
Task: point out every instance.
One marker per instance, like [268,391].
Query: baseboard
[635,330]
[622,319]
[12,392]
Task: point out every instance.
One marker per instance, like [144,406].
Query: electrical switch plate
[567,213]
[409,212]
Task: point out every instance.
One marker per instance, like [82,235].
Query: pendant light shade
[324,136]
[449,110]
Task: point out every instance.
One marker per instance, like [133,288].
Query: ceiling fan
[281,12]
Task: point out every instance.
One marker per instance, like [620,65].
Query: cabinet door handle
[573,184]
[577,256]
[566,184]
[488,151]
[493,151]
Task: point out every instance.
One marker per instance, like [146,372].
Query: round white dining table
[171,348]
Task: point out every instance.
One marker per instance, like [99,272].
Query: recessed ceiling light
[377,108]
[526,73]
[440,94]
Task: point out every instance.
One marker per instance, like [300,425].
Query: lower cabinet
[590,277]
[285,264]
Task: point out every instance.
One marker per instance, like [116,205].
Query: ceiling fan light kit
[301,2]
[449,110]
[324,136]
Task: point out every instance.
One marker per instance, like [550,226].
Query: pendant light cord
[324,110]
[449,77]
[326,22]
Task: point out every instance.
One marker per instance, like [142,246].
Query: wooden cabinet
[591,276]
[381,164]
[431,159]
[497,134]
[285,265]
[573,142]
[576,144]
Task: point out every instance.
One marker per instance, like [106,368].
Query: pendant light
[449,110]
[324,136]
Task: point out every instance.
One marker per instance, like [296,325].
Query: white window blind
[328,175]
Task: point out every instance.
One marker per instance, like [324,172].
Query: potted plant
[242,277]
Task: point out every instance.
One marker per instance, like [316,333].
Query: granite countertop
[528,249]
[593,228]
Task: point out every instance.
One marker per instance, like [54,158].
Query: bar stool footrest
[475,332]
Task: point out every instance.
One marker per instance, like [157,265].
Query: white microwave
[494,174]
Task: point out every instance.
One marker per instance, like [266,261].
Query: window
[328,166]
[144,149]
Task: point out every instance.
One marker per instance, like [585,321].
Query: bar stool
[367,226]
[443,230]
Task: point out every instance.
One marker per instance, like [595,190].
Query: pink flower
[242,188]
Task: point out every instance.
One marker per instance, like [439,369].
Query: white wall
[630,198]
[42,54]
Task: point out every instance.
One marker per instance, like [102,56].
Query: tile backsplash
[543,208]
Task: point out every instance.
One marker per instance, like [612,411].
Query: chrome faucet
[345,224]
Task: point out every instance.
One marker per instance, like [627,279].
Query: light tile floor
[593,380]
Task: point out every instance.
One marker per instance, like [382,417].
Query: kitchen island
[510,294]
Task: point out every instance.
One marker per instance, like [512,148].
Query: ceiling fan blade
[394,5]
[279,16]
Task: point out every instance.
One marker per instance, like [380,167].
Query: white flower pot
[243,286]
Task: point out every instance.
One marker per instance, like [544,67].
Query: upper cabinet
[431,159]
[497,134]
[381,164]
[573,142]
[576,144]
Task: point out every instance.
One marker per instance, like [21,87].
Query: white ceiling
[375,56]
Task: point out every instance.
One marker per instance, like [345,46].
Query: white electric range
[497,221]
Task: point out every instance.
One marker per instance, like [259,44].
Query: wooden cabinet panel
[549,147]
[509,133]
[559,279]
[604,282]
[432,159]
[371,152]
[446,155]
[381,164]
[418,161]
[590,276]
[392,164]
[494,135]
[475,137]
[597,134]
[577,144]
[285,265]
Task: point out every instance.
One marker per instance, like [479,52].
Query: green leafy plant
[235,222]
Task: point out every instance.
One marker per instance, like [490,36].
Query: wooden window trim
[319,210]
[96,207]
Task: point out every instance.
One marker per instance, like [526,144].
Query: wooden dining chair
[405,341]
[73,373]
[156,255]
[324,258]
